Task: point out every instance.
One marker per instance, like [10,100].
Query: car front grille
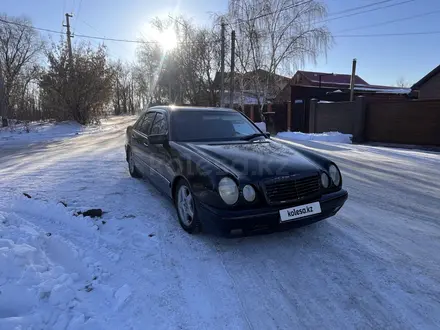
[290,189]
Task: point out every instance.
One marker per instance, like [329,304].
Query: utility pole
[352,80]
[69,36]
[232,82]
[222,66]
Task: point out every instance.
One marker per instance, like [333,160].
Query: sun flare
[167,39]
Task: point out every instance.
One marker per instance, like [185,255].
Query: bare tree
[276,36]
[402,82]
[184,74]
[82,92]
[20,46]
[147,72]
[125,94]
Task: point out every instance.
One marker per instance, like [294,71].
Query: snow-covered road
[375,265]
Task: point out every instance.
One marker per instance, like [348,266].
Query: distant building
[323,79]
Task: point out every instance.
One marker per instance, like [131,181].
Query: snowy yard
[324,137]
[33,132]
[375,265]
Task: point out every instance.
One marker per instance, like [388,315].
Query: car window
[138,122]
[210,125]
[146,124]
[160,125]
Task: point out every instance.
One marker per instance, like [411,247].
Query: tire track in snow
[368,267]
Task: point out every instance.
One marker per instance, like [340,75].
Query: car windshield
[211,125]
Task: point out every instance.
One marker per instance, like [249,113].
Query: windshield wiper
[252,136]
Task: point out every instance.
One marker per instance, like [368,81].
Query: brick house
[429,86]
[320,82]
[305,86]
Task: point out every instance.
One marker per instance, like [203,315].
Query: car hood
[255,160]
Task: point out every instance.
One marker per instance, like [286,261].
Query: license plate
[300,211]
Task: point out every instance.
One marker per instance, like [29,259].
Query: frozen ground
[374,266]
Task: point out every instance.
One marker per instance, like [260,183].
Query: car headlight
[334,174]
[249,193]
[324,180]
[228,191]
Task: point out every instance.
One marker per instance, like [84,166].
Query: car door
[140,142]
[160,156]
[134,140]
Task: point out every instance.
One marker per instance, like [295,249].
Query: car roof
[173,108]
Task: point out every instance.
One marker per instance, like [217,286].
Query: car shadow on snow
[265,239]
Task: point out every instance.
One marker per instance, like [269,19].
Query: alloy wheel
[185,205]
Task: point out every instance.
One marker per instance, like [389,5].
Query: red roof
[330,78]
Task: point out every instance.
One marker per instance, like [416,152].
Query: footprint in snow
[141,240]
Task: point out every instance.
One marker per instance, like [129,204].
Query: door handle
[145,144]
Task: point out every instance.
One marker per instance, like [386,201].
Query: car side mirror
[158,139]
[267,134]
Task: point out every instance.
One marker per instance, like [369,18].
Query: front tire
[134,172]
[186,208]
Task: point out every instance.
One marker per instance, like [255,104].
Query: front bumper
[225,220]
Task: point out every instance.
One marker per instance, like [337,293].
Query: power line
[96,30]
[64,11]
[360,7]
[331,14]
[77,14]
[353,14]
[353,9]
[90,26]
[390,22]
[99,38]
[30,27]
[158,42]
[270,13]
[79,8]
[386,34]
[135,41]
[366,11]
[281,10]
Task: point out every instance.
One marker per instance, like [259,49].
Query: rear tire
[134,172]
[186,208]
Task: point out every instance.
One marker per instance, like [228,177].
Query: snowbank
[45,281]
[325,137]
[40,131]
[49,131]
[262,126]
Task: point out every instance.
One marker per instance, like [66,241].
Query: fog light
[325,180]
[249,193]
